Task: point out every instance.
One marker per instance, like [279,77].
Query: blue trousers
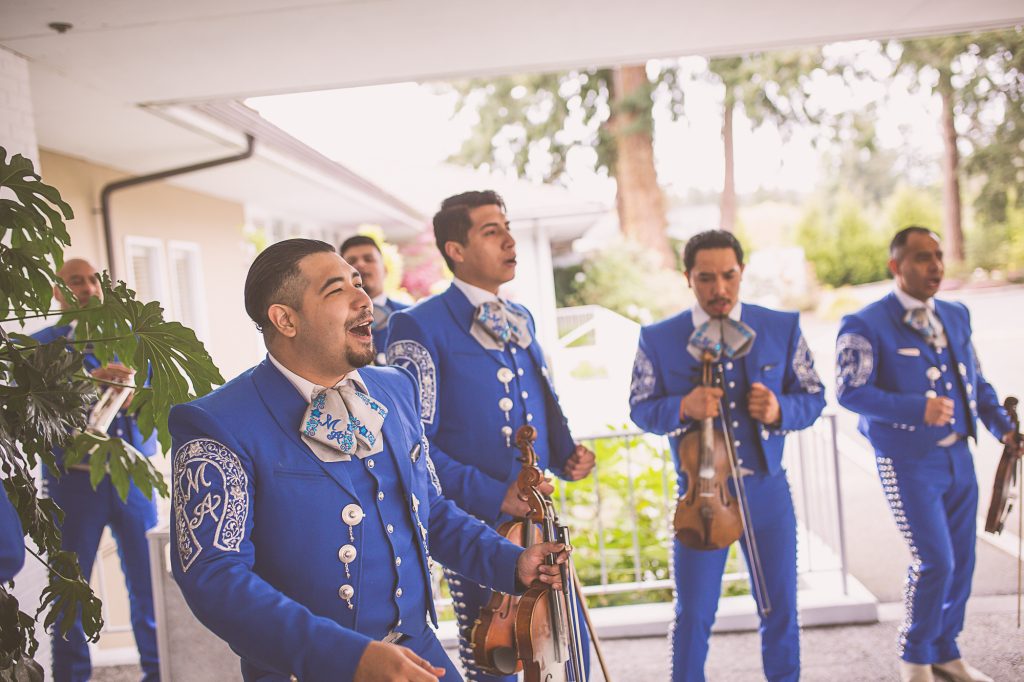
[468,598]
[934,499]
[86,513]
[698,576]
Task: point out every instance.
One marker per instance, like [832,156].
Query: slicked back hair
[452,222]
[358,240]
[900,239]
[710,239]
[275,277]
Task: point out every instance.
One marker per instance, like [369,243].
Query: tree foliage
[842,244]
[45,395]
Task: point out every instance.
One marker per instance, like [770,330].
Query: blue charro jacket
[664,372]
[263,572]
[881,366]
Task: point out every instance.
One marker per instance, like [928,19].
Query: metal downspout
[112,187]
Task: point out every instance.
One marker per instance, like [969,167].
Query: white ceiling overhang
[90,83]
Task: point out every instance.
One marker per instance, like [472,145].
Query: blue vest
[380,334]
[745,431]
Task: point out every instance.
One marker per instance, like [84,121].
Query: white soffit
[87,84]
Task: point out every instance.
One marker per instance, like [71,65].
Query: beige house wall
[162,212]
[167,213]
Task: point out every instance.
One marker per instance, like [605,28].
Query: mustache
[367,318]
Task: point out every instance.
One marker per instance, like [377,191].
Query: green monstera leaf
[46,397]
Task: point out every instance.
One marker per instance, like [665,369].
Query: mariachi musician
[482,375]
[906,364]
[770,387]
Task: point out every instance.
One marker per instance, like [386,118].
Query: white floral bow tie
[343,421]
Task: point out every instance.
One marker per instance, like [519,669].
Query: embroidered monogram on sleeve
[642,385]
[211,499]
[855,360]
[414,357]
[803,367]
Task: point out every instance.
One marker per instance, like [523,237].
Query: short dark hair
[710,239]
[452,223]
[358,240]
[900,239]
[274,277]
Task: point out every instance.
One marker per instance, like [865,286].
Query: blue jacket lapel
[462,311]
[907,334]
[287,408]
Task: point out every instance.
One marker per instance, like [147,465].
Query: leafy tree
[968,73]
[842,244]
[45,397]
[910,206]
[768,87]
[539,119]
[998,157]
[628,279]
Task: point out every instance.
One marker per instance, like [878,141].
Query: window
[187,303]
[145,258]
[170,274]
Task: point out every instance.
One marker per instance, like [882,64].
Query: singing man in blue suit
[481,375]
[306,509]
[87,512]
[907,366]
[364,254]
[771,388]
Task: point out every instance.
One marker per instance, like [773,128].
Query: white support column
[17,124]
[18,136]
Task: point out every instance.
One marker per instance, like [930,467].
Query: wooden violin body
[493,638]
[1003,494]
[707,514]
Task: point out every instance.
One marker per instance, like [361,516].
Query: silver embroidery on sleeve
[414,357]
[211,476]
[642,386]
[855,360]
[430,465]
[803,367]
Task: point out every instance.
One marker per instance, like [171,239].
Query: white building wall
[17,127]
[18,136]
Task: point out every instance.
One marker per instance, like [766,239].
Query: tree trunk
[952,229]
[727,208]
[640,202]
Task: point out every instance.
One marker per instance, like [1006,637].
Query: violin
[493,638]
[709,514]
[1007,475]
[547,621]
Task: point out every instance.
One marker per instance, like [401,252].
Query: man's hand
[580,463]
[938,411]
[532,565]
[763,405]
[383,662]
[700,403]
[514,505]
[119,374]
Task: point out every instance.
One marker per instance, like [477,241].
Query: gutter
[112,187]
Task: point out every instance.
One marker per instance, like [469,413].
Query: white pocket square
[913,352]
